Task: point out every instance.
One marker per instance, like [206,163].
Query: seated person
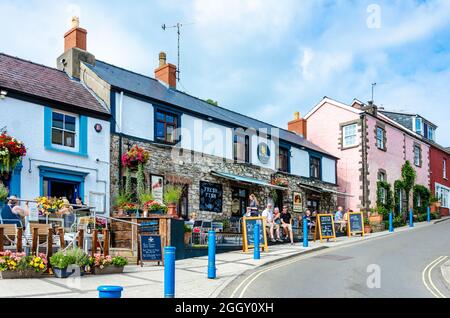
[310,220]
[12,213]
[339,219]
[286,223]
[277,223]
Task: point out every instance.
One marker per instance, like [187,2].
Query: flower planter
[376,219]
[172,210]
[29,273]
[108,270]
[65,273]
[187,237]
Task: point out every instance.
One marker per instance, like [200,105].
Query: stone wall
[195,167]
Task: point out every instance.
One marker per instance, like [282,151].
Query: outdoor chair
[13,235]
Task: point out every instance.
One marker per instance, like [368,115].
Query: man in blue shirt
[12,213]
[339,219]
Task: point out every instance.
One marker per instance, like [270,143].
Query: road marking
[426,273]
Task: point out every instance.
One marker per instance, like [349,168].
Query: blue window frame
[61,134]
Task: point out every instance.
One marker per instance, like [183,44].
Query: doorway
[239,201]
[60,188]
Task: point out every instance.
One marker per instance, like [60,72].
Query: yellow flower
[41,266]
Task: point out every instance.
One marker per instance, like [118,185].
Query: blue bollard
[305,232]
[428,215]
[169,272]
[110,291]
[391,223]
[411,221]
[257,252]
[211,255]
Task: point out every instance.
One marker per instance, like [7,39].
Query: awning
[233,177]
[319,189]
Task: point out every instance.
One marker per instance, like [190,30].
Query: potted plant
[18,265]
[48,205]
[11,152]
[367,228]
[143,199]
[104,265]
[171,196]
[61,261]
[435,204]
[121,202]
[187,234]
[375,217]
[155,207]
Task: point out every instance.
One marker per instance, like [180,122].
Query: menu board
[326,226]
[211,197]
[150,227]
[249,233]
[151,248]
[355,224]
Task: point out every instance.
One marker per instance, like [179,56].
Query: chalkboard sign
[355,224]
[211,195]
[248,225]
[150,227]
[150,248]
[325,226]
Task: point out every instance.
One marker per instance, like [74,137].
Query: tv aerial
[178,26]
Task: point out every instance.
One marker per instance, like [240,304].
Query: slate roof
[149,87]
[45,82]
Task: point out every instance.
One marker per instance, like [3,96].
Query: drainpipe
[120,139]
[364,161]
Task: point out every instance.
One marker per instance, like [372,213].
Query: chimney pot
[297,115]
[166,72]
[75,22]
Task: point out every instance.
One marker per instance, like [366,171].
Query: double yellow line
[428,281]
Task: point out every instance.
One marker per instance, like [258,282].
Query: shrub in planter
[18,265]
[107,264]
[61,261]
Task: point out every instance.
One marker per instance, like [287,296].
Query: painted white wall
[136,117]
[25,121]
[299,162]
[328,170]
[206,137]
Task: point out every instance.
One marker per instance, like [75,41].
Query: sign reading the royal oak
[211,195]
[263,153]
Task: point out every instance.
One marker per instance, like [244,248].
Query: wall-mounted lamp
[3,94]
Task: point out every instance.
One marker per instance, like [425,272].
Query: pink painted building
[371,147]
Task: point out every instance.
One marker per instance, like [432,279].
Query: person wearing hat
[12,213]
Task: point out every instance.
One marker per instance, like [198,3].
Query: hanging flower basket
[11,152]
[135,156]
[47,206]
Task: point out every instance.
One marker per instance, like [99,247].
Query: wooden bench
[12,234]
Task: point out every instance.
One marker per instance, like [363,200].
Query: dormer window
[431,133]
[418,126]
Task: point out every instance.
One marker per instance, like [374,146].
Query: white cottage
[66,131]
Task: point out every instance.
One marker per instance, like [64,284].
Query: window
[418,125]
[381,135]
[283,159]
[382,176]
[383,195]
[241,148]
[431,133]
[63,130]
[166,125]
[443,195]
[315,168]
[349,135]
[417,156]
[444,168]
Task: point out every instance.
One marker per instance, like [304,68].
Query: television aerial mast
[178,26]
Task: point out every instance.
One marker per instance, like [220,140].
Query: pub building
[217,156]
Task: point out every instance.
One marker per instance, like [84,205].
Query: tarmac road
[408,264]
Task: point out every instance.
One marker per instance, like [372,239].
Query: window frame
[444,168]
[64,131]
[415,147]
[247,143]
[176,123]
[344,136]
[285,154]
[381,144]
[418,122]
[319,172]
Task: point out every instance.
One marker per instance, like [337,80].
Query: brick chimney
[298,125]
[75,37]
[166,73]
[75,45]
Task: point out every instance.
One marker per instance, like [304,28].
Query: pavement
[191,274]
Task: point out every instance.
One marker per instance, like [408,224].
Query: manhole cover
[332,257]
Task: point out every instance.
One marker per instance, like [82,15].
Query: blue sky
[264,58]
